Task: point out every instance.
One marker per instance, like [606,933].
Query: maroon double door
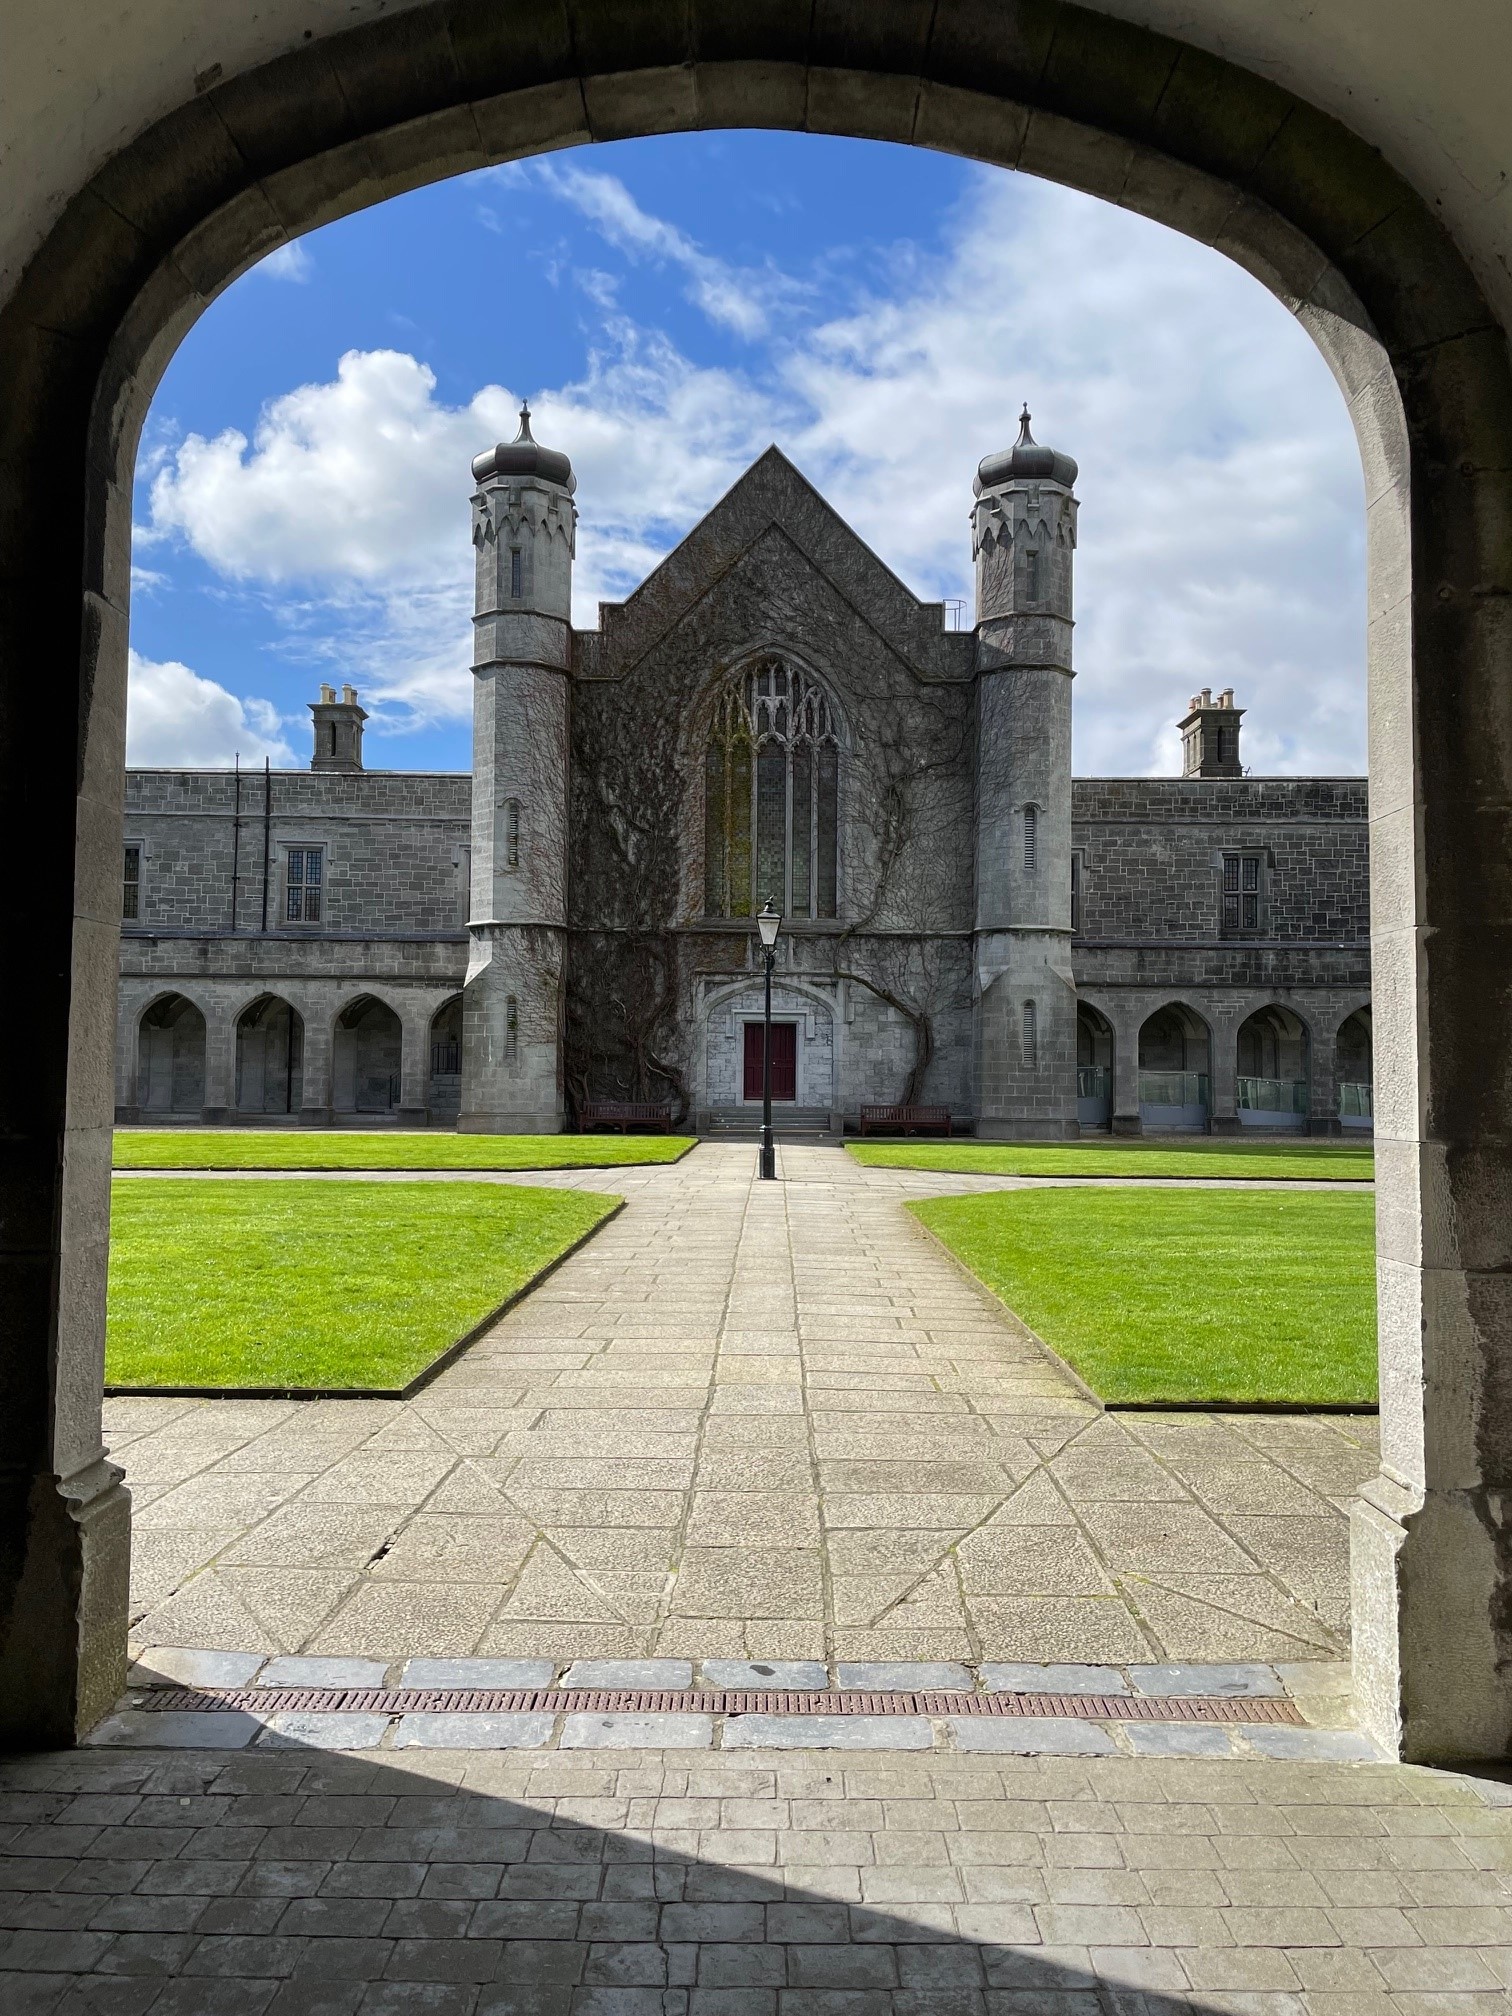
[784,1060]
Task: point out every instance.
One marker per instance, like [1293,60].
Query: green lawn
[1318,1161]
[381,1148]
[1183,1294]
[317,1284]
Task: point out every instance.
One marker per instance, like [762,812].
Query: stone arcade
[772,713]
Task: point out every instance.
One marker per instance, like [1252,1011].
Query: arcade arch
[1354,1066]
[1175,1070]
[367,1058]
[171,1057]
[1094,1067]
[444,1085]
[1274,1074]
[269,1057]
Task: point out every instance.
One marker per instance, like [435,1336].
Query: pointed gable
[773,494]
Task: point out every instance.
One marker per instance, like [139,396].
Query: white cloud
[735,300]
[176,718]
[1222,501]
[289,262]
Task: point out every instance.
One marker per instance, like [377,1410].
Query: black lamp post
[767,922]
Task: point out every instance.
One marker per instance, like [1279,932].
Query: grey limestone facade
[772,715]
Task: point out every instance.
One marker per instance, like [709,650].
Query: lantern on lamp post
[768,922]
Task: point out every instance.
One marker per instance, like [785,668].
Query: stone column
[414,1067]
[1431,1535]
[1323,1072]
[65,1516]
[1223,1069]
[1125,1118]
[220,1066]
[315,1081]
[127,1037]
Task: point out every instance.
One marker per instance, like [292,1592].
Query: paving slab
[747,1421]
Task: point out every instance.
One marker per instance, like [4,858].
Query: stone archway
[171,1058]
[1175,1070]
[269,1057]
[1104,106]
[444,1084]
[1355,1067]
[1274,1070]
[1095,1042]
[367,1059]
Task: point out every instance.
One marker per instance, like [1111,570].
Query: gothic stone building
[771,715]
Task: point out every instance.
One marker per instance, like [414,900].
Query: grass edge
[911,1206]
[422,1378]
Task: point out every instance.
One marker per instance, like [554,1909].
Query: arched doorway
[1094,1067]
[171,1057]
[443,1096]
[1350,241]
[1355,1066]
[269,1057]
[1175,1062]
[1273,1064]
[366,1058]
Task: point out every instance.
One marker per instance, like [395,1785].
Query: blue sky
[669,307]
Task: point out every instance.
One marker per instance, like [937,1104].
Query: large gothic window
[771,792]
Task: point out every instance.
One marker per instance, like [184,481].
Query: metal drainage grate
[718,1701]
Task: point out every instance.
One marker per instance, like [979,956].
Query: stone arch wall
[722,1015]
[1094,102]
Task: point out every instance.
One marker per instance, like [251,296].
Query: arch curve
[171,1045]
[1087,99]
[270,1034]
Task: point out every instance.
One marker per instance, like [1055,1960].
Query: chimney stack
[1210,735]
[338,730]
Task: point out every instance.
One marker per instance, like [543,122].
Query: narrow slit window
[511,1029]
[131,883]
[1033,565]
[511,833]
[304,884]
[1031,839]
[516,573]
[1031,1035]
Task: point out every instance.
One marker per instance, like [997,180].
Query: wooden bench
[905,1119]
[624,1114]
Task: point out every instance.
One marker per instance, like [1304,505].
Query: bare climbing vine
[639,944]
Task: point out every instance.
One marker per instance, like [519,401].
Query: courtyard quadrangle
[760,1420]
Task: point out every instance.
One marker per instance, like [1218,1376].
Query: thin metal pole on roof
[267,831]
[236,841]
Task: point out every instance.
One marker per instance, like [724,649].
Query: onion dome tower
[1023,543]
[524,536]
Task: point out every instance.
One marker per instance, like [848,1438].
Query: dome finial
[524,458]
[1025,462]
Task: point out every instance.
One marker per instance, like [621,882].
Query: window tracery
[771,796]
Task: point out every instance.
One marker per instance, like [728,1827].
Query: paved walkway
[652,1884]
[759,1420]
